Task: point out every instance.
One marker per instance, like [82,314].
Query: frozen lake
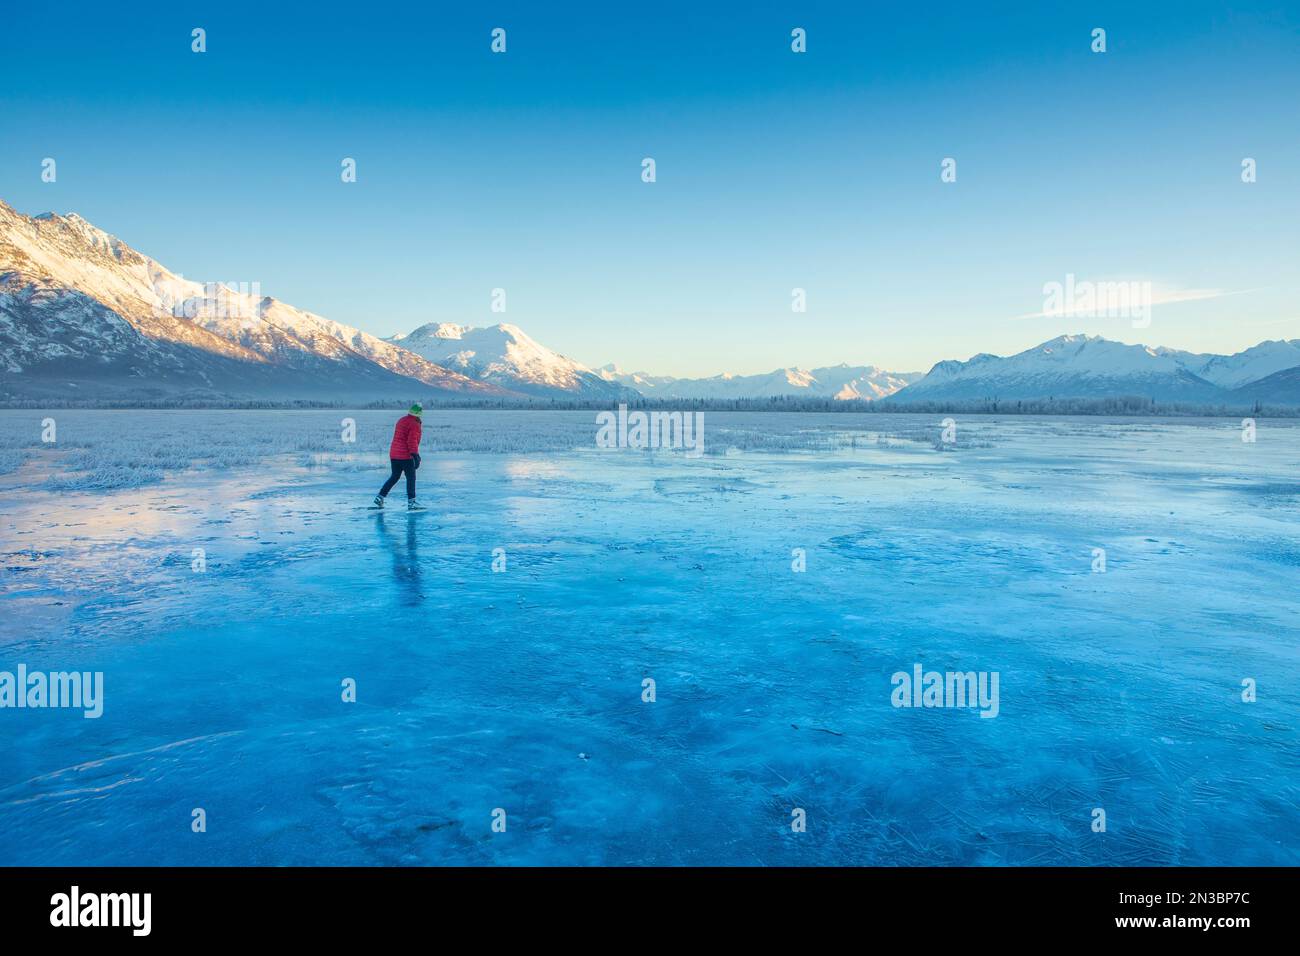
[522,689]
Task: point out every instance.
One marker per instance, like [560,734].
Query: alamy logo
[103,909]
[215,300]
[1098,300]
[950,689]
[84,690]
[653,430]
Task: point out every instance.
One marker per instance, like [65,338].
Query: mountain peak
[87,230]
[1077,338]
[505,355]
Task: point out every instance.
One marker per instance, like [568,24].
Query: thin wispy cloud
[1159,294]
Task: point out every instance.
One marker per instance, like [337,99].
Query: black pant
[400,465]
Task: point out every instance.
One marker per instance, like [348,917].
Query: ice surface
[522,690]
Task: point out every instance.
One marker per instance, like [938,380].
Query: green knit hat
[417,409]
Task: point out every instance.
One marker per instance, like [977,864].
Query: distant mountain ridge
[1250,365]
[1280,388]
[839,382]
[1084,367]
[85,316]
[82,314]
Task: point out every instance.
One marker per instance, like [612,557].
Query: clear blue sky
[775,170]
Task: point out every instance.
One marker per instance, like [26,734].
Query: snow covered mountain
[839,382]
[641,382]
[505,356]
[83,315]
[1280,388]
[1250,365]
[1082,366]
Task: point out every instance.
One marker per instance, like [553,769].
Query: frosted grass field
[522,690]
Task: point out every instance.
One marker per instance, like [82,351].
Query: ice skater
[404,454]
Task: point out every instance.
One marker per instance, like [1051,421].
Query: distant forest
[1114,406]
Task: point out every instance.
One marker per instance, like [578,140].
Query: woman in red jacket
[404,454]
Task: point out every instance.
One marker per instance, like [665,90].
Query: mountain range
[1088,366]
[842,382]
[1066,367]
[84,316]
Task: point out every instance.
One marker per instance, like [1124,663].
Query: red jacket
[406,438]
